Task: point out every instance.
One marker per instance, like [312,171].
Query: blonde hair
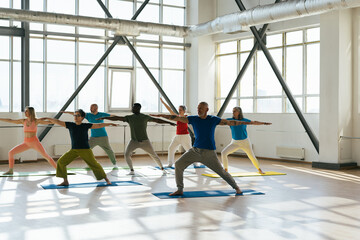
[32,113]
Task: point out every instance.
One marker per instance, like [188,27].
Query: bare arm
[236,123]
[41,121]
[101,125]
[55,121]
[172,117]
[167,107]
[72,113]
[158,120]
[16,121]
[113,118]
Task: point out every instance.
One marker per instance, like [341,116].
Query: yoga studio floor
[305,203]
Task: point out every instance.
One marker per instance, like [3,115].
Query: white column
[335,86]
[200,57]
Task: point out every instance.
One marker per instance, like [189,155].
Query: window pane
[120,9]
[173,39]
[149,14]
[230,106]
[121,56]
[313,104]
[92,9]
[93,91]
[289,108]
[313,34]
[36,49]
[173,85]
[37,86]
[228,47]
[60,86]
[36,5]
[173,58]
[150,37]
[294,37]
[146,92]
[150,56]
[294,69]
[16,87]
[120,89]
[174,16]
[36,26]
[180,3]
[90,52]
[64,6]
[274,40]
[60,51]
[247,105]
[4,3]
[246,44]
[4,47]
[267,82]
[247,81]
[4,90]
[269,105]
[313,69]
[16,48]
[227,73]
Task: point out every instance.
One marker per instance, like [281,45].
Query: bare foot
[64,183]
[226,169]
[176,193]
[260,171]
[107,181]
[238,191]
[9,172]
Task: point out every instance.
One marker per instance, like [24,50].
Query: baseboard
[334,166]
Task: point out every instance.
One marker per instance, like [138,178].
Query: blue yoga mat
[208,193]
[91,184]
[190,166]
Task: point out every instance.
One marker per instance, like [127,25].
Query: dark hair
[82,113]
[183,107]
[241,115]
[137,105]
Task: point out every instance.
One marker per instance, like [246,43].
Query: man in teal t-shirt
[99,136]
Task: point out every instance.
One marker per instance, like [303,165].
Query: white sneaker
[132,172]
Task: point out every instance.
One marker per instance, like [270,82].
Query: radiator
[289,152]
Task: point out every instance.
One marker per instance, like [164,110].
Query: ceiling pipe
[231,23]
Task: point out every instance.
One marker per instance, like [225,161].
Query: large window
[61,57]
[297,56]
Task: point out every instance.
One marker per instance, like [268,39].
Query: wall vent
[290,152]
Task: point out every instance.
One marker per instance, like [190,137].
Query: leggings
[144,145]
[235,145]
[30,143]
[183,140]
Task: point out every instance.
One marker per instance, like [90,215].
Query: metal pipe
[25,61]
[287,91]
[118,26]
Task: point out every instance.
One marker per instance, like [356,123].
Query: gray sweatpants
[103,142]
[144,145]
[206,157]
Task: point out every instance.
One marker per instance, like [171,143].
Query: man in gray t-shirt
[139,139]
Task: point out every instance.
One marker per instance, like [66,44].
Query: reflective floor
[304,204]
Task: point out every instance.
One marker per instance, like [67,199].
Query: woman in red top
[30,139]
[182,136]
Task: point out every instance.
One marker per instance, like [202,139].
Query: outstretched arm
[172,117]
[113,118]
[167,107]
[235,123]
[101,125]
[16,121]
[72,113]
[158,120]
[55,121]
[41,121]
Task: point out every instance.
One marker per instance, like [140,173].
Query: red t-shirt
[181,128]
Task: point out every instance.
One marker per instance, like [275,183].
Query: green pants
[87,155]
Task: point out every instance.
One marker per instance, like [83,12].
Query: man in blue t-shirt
[99,136]
[204,146]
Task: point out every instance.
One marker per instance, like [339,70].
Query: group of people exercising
[203,149]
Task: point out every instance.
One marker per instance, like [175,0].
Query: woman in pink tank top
[182,136]
[30,139]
